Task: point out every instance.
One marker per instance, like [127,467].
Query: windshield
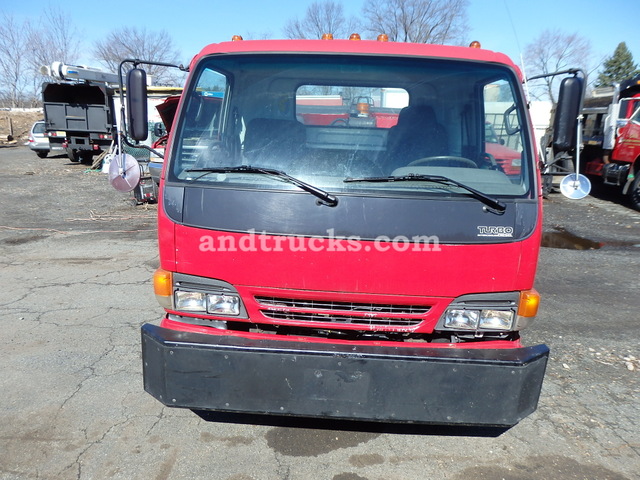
[325,119]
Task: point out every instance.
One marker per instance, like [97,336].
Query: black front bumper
[497,387]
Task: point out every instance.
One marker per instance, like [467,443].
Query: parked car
[38,141]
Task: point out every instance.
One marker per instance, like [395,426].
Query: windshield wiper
[324,198]
[496,205]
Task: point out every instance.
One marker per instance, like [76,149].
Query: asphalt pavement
[76,258]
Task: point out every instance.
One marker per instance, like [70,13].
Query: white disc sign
[124,172]
[575,186]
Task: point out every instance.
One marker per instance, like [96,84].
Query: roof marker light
[354,36]
[383,37]
[236,38]
[475,44]
[327,36]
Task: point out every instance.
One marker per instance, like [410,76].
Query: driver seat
[416,135]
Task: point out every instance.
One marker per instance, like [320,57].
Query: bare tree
[26,46]
[553,51]
[135,43]
[321,17]
[14,41]
[252,35]
[53,39]
[418,21]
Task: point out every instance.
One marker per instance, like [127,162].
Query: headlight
[461,319]
[456,318]
[223,304]
[496,319]
[210,303]
[488,312]
[191,301]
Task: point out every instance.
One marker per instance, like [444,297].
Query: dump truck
[611,140]
[78,110]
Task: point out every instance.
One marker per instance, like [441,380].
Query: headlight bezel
[201,296]
[488,313]
[198,301]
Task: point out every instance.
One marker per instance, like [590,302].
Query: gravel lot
[76,260]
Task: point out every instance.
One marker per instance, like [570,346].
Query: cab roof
[358,47]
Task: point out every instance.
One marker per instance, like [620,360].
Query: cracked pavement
[76,260]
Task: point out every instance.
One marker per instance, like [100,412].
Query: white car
[38,141]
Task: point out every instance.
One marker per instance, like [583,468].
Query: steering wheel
[339,121]
[490,160]
[445,161]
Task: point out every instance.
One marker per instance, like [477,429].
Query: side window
[636,116]
[202,122]
[503,128]
[203,110]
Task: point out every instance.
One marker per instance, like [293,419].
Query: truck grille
[348,313]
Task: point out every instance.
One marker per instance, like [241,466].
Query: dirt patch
[16,124]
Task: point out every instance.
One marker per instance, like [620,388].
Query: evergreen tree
[618,67]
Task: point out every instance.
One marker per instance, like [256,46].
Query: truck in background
[611,141]
[79,112]
[316,263]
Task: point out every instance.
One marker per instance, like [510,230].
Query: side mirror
[137,120]
[565,122]
[159,130]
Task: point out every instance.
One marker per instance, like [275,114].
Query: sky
[507,26]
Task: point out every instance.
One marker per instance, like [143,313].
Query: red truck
[347,269]
[611,138]
[626,154]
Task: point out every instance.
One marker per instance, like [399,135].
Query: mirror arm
[141,145]
[570,71]
[135,62]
